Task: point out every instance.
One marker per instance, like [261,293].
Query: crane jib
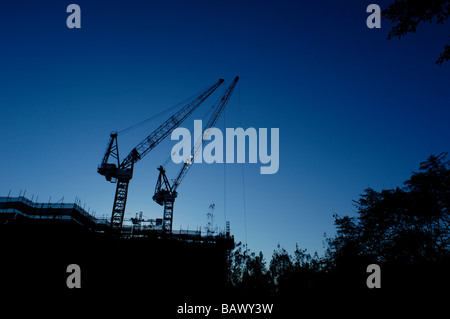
[165,194]
[122,173]
[212,121]
[168,126]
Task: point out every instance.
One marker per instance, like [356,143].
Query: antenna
[210,229]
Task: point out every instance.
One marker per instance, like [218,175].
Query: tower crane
[122,172]
[165,193]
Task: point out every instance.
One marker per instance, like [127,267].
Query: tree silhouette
[408,14]
[281,266]
[406,229]
[247,273]
[410,224]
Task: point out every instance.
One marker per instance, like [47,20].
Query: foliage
[249,275]
[396,228]
[409,224]
[408,14]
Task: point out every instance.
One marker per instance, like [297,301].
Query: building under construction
[44,238]
[22,212]
[40,240]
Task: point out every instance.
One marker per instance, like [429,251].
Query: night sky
[353,110]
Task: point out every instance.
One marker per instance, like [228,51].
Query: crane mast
[122,172]
[165,194]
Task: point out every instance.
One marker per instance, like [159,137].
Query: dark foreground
[159,278]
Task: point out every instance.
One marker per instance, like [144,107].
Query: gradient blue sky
[353,109]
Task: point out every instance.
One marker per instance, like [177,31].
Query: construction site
[118,253]
[21,211]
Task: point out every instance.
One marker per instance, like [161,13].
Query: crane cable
[183,102]
[224,180]
[135,126]
[242,170]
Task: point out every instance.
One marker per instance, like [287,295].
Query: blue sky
[353,109]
